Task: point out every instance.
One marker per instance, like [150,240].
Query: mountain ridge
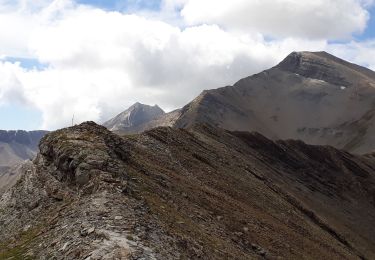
[200,192]
[318,104]
[312,96]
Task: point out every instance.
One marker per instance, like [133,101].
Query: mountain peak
[139,105]
[134,117]
[295,60]
[324,66]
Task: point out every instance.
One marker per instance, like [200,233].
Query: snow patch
[319,81]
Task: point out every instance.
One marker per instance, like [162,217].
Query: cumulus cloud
[137,59]
[362,53]
[322,19]
[11,89]
[100,62]
[13,37]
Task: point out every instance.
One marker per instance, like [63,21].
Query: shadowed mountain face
[196,193]
[314,97]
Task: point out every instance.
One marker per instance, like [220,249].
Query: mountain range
[310,96]
[16,147]
[220,178]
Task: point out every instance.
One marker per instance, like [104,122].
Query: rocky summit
[195,193]
[135,119]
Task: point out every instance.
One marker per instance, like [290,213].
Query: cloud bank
[99,62]
[318,19]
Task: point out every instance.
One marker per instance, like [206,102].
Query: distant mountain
[10,175]
[311,96]
[135,118]
[17,146]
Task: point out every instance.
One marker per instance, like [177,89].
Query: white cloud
[15,30]
[11,89]
[322,19]
[362,53]
[20,18]
[112,60]
[100,62]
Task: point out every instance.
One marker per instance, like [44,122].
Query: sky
[94,58]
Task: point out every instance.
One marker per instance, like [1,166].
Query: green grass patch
[19,250]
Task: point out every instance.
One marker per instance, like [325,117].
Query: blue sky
[66,64]
[16,117]
[124,5]
[27,63]
[370,30]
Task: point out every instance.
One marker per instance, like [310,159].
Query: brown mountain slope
[314,97]
[201,193]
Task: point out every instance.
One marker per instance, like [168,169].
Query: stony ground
[201,193]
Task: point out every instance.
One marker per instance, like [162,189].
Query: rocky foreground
[199,193]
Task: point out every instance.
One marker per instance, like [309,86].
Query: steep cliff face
[314,97]
[202,193]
